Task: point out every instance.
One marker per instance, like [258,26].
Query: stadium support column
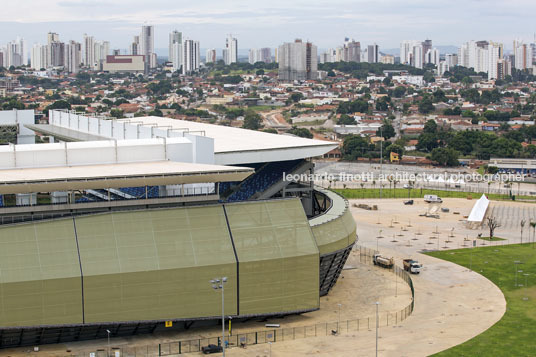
[307,199]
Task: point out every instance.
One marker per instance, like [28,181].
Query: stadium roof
[237,145]
[155,173]
[231,145]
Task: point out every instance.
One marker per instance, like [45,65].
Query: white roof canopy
[65,178]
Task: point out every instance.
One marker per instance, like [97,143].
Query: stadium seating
[265,177]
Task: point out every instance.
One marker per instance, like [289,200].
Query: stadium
[120,225]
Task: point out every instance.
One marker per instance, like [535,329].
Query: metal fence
[274,335]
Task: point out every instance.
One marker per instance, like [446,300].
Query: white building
[406,51]
[176,55]
[231,50]
[210,55]
[191,61]
[175,37]
[73,56]
[38,58]
[417,56]
[147,45]
[297,61]
[432,56]
[523,55]
[88,57]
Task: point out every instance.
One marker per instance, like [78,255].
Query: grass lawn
[417,193]
[514,334]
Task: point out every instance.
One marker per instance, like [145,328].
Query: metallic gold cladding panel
[39,275]
[156,264]
[335,234]
[278,257]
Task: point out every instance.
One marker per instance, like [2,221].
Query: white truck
[384,262]
[412,266]
[432,199]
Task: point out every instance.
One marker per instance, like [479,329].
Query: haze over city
[267,24]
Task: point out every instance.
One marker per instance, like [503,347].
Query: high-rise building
[523,55]
[72,56]
[417,56]
[373,53]
[55,50]
[260,55]
[231,50]
[191,52]
[38,58]
[387,59]
[88,57]
[406,51]
[176,55]
[101,51]
[147,45]
[297,61]
[351,51]
[135,47]
[482,56]
[210,55]
[442,67]
[504,68]
[175,37]
[427,46]
[432,56]
[451,59]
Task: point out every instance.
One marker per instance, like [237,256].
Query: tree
[301,132]
[260,72]
[345,119]
[426,106]
[355,146]
[387,131]
[116,113]
[493,223]
[252,120]
[444,156]
[296,97]
[394,148]
[399,92]
[430,127]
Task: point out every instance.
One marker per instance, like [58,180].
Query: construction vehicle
[412,266]
[384,262]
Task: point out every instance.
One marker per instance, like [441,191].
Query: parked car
[211,349]
[432,199]
[408,202]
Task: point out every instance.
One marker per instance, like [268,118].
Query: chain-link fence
[273,335]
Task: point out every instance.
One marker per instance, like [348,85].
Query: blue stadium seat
[265,177]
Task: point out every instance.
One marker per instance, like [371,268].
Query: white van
[432,199]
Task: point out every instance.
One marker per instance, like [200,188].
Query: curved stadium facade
[72,270]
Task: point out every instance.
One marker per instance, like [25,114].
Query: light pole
[108,332]
[526,275]
[516,262]
[377,323]
[218,284]
[381,160]
[339,321]
[270,344]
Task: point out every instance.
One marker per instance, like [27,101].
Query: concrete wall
[19,118]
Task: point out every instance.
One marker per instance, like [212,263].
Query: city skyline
[267,25]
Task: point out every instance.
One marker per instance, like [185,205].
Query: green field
[514,334]
[418,193]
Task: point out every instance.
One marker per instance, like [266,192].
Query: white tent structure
[478,213]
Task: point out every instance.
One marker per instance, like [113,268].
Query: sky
[269,23]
